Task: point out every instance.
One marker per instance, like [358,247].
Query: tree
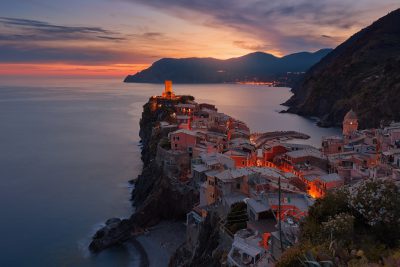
[376,203]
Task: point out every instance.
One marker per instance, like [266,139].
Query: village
[261,184]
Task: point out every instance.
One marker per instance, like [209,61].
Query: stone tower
[168,92]
[350,123]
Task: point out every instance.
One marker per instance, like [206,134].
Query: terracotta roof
[351,115]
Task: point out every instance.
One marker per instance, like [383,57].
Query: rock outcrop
[206,252]
[155,197]
[115,231]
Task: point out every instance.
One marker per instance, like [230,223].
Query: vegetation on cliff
[206,252]
[356,226]
[363,73]
[237,217]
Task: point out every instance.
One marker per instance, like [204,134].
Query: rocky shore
[155,197]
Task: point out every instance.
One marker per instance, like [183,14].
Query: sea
[69,146]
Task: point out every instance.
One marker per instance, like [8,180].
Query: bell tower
[350,123]
[168,92]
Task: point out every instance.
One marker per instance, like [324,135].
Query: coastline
[144,257]
[161,242]
[158,198]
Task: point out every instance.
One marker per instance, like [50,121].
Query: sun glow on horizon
[60,69]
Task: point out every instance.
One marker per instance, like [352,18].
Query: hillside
[363,73]
[256,66]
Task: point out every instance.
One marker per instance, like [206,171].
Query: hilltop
[362,73]
[256,66]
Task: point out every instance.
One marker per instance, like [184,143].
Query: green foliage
[291,257]
[340,227]
[165,143]
[310,261]
[377,204]
[237,217]
[352,227]
[324,209]
[333,203]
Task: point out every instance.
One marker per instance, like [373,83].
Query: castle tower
[168,92]
[350,123]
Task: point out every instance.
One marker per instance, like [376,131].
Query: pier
[259,139]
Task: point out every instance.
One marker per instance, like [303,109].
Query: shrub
[340,227]
[291,257]
[237,217]
[377,204]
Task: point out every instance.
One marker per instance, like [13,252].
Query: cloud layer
[141,31]
[285,25]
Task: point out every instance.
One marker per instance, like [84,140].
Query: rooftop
[258,205]
[181,105]
[351,115]
[185,131]
[235,152]
[305,153]
[199,167]
[301,201]
[332,177]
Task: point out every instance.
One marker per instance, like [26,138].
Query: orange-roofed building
[183,140]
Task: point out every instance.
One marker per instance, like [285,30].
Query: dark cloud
[49,28]
[153,34]
[34,30]
[24,40]
[23,53]
[112,38]
[272,21]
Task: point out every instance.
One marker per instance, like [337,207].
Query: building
[296,161]
[246,250]
[350,124]
[332,145]
[325,182]
[183,140]
[168,92]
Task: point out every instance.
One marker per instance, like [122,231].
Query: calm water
[68,148]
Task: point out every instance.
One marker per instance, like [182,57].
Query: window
[176,145]
[238,186]
[243,162]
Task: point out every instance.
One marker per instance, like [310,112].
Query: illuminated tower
[168,92]
[350,123]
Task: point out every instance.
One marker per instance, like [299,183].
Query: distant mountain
[363,73]
[256,66]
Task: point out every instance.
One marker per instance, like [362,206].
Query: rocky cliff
[363,73]
[207,251]
[155,196]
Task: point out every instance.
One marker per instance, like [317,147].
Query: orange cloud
[118,70]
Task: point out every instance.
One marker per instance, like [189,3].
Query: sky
[119,37]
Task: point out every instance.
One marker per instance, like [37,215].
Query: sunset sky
[118,37]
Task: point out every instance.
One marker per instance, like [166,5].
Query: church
[350,124]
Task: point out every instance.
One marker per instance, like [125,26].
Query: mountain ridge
[363,74]
[256,66]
